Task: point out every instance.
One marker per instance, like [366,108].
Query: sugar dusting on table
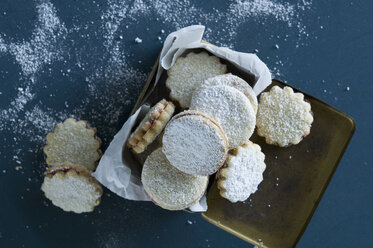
[112,78]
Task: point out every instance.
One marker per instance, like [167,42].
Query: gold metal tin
[294,181]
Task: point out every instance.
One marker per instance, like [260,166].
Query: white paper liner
[114,169]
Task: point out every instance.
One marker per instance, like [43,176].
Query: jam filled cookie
[235,82]
[194,143]
[230,108]
[72,188]
[167,186]
[151,126]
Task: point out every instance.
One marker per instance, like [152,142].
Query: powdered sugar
[263,8]
[194,144]
[43,47]
[72,191]
[235,82]
[243,174]
[187,74]
[169,187]
[230,108]
[283,118]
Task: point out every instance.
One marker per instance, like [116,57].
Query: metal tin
[294,181]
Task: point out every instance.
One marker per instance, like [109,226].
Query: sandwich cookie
[235,82]
[230,108]
[72,188]
[194,143]
[151,126]
[167,186]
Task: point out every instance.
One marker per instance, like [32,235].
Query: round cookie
[283,117]
[73,142]
[230,108]
[235,82]
[243,172]
[151,126]
[194,143]
[167,186]
[72,188]
[188,73]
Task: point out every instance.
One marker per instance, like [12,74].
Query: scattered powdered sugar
[44,121]
[260,8]
[43,48]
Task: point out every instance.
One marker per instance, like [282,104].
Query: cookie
[194,143]
[235,82]
[167,186]
[151,126]
[188,73]
[230,108]
[73,142]
[242,173]
[72,188]
[283,117]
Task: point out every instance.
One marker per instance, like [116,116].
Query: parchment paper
[117,168]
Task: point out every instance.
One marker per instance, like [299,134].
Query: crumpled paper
[117,170]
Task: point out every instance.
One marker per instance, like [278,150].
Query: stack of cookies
[219,112]
[72,153]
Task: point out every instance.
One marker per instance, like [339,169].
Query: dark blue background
[322,61]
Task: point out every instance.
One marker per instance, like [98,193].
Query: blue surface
[334,52]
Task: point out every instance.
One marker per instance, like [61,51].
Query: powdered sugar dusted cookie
[151,126]
[230,108]
[194,143]
[73,142]
[235,82]
[188,73]
[167,186]
[72,188]
[284,117]
[243,172]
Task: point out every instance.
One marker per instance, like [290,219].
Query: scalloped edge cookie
[151,126]
[65,145]
[283,118]
[72,188]
[242,172]
[187,74]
